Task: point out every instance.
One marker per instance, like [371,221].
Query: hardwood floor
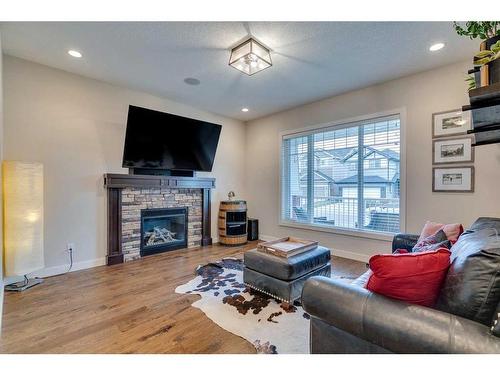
[126,308]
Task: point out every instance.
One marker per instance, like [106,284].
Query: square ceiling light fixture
[250,57]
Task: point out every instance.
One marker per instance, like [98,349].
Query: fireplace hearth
[163,229]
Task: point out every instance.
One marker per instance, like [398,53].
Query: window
[374,163]
[357,188]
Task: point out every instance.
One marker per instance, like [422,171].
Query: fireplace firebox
[163,229]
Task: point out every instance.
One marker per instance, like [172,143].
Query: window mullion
[310,177]
[361,159]
[286,199]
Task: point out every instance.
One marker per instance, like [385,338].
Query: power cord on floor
[70,251]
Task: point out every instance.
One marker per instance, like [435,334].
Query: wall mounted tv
[157,142]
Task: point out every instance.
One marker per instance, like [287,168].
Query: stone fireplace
[152,214]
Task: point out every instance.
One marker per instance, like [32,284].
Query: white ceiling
[312,60]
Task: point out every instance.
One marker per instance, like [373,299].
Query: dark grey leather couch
[347,318]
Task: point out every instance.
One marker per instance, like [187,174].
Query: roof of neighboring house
[366,180]
[340,153]
[388,153]
[319,174]
[344,154]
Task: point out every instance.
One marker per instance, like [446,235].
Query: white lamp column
[23,221]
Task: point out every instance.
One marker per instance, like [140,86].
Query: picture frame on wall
[453,179]
[448,123]
[453,150]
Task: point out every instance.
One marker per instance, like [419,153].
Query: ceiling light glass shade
[250,57]
[23,217]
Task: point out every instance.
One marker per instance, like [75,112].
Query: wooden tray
[287,246]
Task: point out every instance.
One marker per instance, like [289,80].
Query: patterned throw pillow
[452,231]
[433,242]
[495,329]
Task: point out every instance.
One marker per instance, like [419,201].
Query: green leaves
[471,82]
[483,57]
[495,47]
[474,29]
[486,56]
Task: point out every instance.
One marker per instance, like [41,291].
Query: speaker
[253,229]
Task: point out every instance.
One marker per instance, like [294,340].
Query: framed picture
[450,179]
[452,150]
[450,123]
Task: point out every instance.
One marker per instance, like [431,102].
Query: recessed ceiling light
[191,81]
[74,53]
[436,47]
[244,109]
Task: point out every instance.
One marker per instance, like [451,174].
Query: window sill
[380,236]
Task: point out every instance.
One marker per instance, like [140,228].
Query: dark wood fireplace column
[114,183]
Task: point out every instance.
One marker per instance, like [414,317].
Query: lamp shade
[23,217]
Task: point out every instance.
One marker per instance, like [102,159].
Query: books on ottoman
[287,246]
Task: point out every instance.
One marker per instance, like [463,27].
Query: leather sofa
[347,318]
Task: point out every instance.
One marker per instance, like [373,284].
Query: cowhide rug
[271,326]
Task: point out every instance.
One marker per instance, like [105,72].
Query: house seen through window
[344,177]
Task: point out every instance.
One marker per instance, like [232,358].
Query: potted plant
[488,31]
[489,56]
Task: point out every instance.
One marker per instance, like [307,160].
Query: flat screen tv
[163,141]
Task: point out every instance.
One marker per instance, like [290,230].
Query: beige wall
[421,94]
[75,126]
[1,198]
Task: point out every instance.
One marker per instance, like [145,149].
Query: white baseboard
[336,252]
[58,270]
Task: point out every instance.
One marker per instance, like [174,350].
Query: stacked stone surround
[136,199]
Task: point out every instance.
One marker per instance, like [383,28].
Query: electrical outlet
[70,247]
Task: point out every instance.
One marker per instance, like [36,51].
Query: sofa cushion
[362,280]
[287,268]
[472,286]
[414,277]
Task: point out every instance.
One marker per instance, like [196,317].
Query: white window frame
[344,123]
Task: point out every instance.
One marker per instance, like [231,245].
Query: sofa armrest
[394,325]
[404,241]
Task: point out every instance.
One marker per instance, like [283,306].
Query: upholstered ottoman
[283,278]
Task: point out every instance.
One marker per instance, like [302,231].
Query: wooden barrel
[232,222]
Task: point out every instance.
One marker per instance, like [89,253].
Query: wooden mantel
[114,183]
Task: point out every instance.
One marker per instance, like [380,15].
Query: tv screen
[158,140]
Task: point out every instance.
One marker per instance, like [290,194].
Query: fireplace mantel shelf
[115,183]
[120,181]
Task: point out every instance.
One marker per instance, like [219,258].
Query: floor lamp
[22,221]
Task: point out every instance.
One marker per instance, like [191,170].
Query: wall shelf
[485,93]
[485,108]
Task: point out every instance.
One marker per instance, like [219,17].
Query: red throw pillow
[413,277]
